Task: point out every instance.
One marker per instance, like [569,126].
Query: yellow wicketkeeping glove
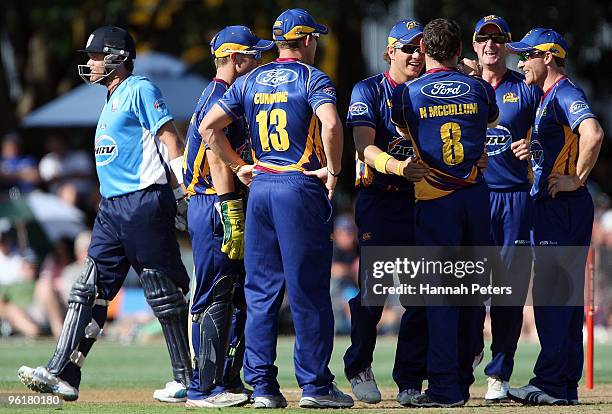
[232,219]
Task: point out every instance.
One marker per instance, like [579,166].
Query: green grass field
[120,378]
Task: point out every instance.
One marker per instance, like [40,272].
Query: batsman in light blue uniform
[135,147]
[565,144]
[296,136]
[216,227]
[384,213]
[509,181]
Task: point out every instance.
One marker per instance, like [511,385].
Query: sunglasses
[409,49]
[525,56]
[495,37]
[255,53]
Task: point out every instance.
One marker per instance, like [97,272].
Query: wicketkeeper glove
[180,220]
[232,218]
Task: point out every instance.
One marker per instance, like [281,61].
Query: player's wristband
[398,170]
[177,168]
[380,162]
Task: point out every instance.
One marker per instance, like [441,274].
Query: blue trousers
[511,221]
[566,220]
[211,264]
[386,219]
[136,229]
[454,333]
[288,246]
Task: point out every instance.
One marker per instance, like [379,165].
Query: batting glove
[232,219]
[180,220]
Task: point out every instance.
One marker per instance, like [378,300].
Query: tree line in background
[38,40]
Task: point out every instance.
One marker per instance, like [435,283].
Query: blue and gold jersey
[517,104]
[446,113]
[371,107]
[279,101]
[554,140]
[196,171]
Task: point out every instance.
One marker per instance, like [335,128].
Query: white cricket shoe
[364,387]
[40,380]
[497,391]
[223,399]
[405,397]
[269,401]
[173,392]
[335,399]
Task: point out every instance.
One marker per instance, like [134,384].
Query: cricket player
[509,182]
[384,212]
[136,150]
[216,226]
[447,113]
[296,136]
[565,144]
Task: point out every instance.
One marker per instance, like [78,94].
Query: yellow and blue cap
[233,39]
[294,24]
[546,40]
[404,32]
[494,20]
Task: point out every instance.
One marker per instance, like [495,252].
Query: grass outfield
[120,378]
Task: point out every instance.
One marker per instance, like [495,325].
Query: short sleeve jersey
[196,170]
[129,155]
[279,101]
[517,104]
[371,107]
[554,140]
[446,113]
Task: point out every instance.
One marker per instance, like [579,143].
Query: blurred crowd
[34,290]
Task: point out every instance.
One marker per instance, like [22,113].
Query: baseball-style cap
[497,21]
[546,40]
[294,24]
[404,32]
[233,39]
[111,40]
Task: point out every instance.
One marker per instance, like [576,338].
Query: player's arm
[383,162]
[333,141]
[212,132]
[589,144]
[176,146]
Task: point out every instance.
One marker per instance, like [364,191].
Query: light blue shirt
[129,155]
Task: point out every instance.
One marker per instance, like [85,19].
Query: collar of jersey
[219,80]
[442,69]
[123,82]
[553,86]
[286,60]
[387,76]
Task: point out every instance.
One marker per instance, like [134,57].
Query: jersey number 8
[452,149]
[278,139]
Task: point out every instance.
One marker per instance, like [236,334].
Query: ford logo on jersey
[276,77]
[537,154]
[105,150]
[445,89]
[499,140]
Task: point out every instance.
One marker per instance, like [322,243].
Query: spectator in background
[345,265]
[71,272]
[17,304]
[16,169]
[69,174]
[10,261]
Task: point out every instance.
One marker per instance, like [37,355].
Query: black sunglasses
[410,49]
[525,56]
[495,37]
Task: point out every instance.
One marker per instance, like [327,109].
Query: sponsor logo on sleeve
[276,77]
[105,150]
[445,89]
[160,104]
[358,108]
[578,106]
[329,90]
